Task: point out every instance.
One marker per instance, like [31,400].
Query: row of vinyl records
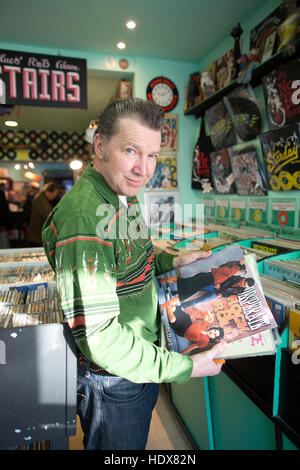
[29,305]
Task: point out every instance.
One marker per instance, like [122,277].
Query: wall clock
[163,92]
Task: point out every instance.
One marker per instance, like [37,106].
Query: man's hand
[204,364]
[189,257]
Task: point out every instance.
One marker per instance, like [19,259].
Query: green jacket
[105,267]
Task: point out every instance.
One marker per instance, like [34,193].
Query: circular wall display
[163,92]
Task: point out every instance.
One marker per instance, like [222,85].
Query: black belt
[83,361]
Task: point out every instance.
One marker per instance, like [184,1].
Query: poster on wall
[30,79]
[165,175]
[169,141]
[281,150]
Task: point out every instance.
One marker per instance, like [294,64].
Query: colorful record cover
[260,34]
[281,150]
[222,174]
[212,299]
[194,93]
[225,69]
[208,80]
[248,174]
[165,175]
[220,126]
[281,97]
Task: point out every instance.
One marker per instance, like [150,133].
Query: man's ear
[98,145]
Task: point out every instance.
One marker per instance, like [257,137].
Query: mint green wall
[247,25]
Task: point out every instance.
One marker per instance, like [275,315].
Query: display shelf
[259,71]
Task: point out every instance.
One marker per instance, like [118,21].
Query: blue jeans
[115,414]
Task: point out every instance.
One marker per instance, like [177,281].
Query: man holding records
[98,245]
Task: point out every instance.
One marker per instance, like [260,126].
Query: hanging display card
[169,140]
[238,210]
[42,80]
[222,209]
[284,212]
[209,207]
[258,212]
[281,151]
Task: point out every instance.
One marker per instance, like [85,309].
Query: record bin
[38,377]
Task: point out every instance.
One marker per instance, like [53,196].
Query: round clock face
[163,92]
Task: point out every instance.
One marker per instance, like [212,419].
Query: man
[97,243]
[40,209]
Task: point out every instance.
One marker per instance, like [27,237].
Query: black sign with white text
[42,80]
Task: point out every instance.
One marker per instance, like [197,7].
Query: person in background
[41,208]
[31,193]
[97,243]
[4,209]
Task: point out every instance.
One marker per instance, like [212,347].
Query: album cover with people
[213,299]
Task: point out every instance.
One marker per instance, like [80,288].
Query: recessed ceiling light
[121,45]
[131,24]
[11,123]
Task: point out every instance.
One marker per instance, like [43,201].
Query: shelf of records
[273,42]
[27,289]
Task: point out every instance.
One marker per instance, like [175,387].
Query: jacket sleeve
[86,282]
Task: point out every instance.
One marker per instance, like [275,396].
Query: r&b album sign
[42,80]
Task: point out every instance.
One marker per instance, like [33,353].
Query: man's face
[127,161]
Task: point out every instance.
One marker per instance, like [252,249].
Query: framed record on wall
[281,151]
[222,174]
[247,170]
[281,97]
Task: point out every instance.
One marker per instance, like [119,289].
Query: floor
[165,432]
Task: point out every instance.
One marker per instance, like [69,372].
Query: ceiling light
[121,45]
[131,24]
[31,165]
[11,123]
[75,164]
[17,166]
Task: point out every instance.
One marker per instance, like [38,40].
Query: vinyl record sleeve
[248,174]
[281,151]
[222,174]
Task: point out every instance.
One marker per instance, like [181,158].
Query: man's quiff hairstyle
[145,112]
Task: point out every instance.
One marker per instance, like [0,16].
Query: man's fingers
[217,350]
